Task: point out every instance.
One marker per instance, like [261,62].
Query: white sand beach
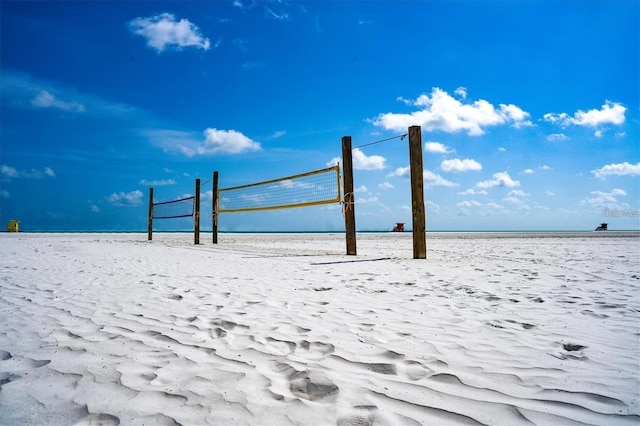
[278,329]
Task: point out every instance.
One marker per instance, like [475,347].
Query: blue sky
[529,110]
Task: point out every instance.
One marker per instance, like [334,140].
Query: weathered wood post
[214,208]
[349,197]
[196,217]
[417,193]
[150,224]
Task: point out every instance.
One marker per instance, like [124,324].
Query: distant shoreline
[408,233]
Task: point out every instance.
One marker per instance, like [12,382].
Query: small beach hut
[12,226]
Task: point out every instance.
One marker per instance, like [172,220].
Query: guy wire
[402,136]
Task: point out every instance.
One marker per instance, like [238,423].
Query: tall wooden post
[214,208]
[417,193]
[349,197]
[150,225]
[196,217]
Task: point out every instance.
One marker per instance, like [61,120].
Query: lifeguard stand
[13,226]
[399,227]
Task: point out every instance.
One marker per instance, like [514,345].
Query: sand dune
[274,329]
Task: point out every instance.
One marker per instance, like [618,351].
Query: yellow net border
[302,190]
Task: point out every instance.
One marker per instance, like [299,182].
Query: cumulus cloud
[458,165]
[472,191]
[618,169]
[44,99]
[461,91]
[221,142]
[362,162]
[132,198]
[13,173]
[472,203]
[499,179]
[610,113]
[386,185]
[400,172]
[434,179]
[162,31]
[440,111]
[601,198]
[429,178]
[437,148]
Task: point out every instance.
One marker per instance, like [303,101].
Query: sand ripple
[278,329]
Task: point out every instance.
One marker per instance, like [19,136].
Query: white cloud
[368,200]
[461,92]
[528,171]
[502,149]
[221,142]
[45,99]
[431,206]
[434,179]
[457,165]
[361,188]
[386,185]
[282,15]
[429,178]
[619,169]
[278,134]
[157,182]
[163,30]
[472,203]
[437,148]
[610,113]
[517,193]
[472,191]
[132,198]
[400,172]
[499,179]
[95,209]
[601,198]
[13,173]
[557,137]
[440,111]
[361,161]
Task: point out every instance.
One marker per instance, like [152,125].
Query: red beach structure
[399,227]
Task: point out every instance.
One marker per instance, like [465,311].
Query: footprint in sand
[312,385]
[314,350]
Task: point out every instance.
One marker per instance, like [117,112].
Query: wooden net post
[417,193]
[196,218]
[349,198]
[214,208]
[150,225]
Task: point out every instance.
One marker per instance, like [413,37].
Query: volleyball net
[301,190]
[183,207]
[173,209]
